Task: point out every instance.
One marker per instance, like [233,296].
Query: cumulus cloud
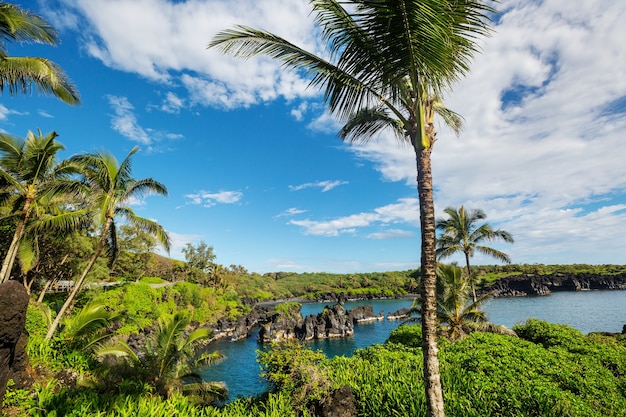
[167,41]
[208,199]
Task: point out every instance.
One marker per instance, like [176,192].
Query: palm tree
[460,233]
[171,357]
[457,314]
[111,188]
[389,62]
[21,74]
[34,192]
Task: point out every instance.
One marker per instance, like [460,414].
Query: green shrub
[295,371]
[407,335]
[548,334]
[151,280]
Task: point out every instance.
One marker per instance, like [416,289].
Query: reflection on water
[586,311]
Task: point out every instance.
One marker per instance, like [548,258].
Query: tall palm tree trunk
[432,376]
[79,283]
[470,279]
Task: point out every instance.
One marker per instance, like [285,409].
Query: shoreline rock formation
[526,284]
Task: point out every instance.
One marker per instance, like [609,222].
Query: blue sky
[255,169]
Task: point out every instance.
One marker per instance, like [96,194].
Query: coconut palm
[388,63]
[23,74]
[35,193]
[171,357]
[461,233]
[111,189]
[458,315]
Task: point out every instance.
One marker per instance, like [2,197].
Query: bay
[587,311]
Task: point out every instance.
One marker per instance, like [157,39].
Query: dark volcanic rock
[331,323]
[521,285]
[403,313]
[364,314]
[280,327]
[13,359]
[339,403]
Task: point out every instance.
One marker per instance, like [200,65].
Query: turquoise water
[586,311]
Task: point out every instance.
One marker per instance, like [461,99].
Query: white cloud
[559,146]
[324,185]
[162,40]
[325,123]
[391,234]
[298,112]
[125,123]
[172,103]
[290,212]
[5,112]
[44,113]
[405,211]
[208,199]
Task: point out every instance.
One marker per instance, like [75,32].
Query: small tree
[199,262]
[460,233]
[457,314]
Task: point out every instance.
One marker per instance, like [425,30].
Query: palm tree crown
[110,191]
[461,233]
[21,74]
[34,189]
[388,63]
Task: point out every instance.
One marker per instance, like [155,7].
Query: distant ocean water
[587,311]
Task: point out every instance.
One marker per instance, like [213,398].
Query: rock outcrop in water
[526,284]
[332,322]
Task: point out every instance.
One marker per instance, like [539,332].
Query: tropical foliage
[170,359]
[23,74]
[461,233]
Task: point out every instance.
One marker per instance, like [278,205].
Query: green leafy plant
[170,359]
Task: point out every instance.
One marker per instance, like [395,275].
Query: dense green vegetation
[549,370]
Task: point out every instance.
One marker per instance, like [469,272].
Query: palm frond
[24,74]
[368,122]
[494,253]
[20,25]
[149,226]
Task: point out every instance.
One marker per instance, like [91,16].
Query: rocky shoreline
[527,284]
